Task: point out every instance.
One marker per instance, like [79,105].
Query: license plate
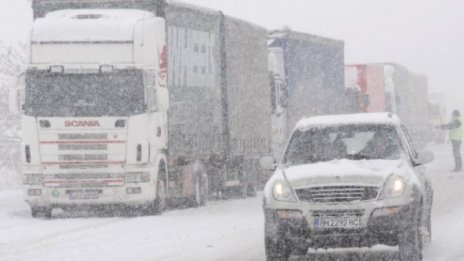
[337,222]
[83,195]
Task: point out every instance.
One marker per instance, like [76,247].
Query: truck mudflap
[188,183]
[233,178]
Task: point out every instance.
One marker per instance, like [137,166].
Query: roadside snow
[225,230]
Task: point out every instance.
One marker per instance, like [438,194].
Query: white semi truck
[132,106]
[390,87]
[95,111]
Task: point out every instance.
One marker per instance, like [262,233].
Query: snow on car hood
[342,172]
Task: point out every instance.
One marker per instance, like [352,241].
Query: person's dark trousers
[457,154]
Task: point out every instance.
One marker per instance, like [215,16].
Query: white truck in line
[390,87]
[112,118]
[307,71]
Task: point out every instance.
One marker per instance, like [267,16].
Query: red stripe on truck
[83,162]
[85,142]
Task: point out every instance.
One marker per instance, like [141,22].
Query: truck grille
[82,147]
[84,180]
[329,194]
[83,157]
[82,151]
[89,136]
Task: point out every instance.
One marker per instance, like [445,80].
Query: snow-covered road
[223,230]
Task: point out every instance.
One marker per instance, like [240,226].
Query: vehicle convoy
[390,87]
[126,107]
[306,72]
[348,181]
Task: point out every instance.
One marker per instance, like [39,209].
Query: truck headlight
[32,179]
[394,187]
[282,192]
[138,177]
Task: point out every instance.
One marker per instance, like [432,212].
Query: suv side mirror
[424,157]
[162,95]
[268,163]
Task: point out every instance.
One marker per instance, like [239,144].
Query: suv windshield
[120,93]
[343,142]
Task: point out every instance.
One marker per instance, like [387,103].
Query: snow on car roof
[88,25]
[346,119]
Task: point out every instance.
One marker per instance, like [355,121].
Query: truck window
[120,93]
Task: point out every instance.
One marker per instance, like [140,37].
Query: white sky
[427,36]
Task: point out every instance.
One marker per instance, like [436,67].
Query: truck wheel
[410,240]
[276,250]
[41,212]
[160,201]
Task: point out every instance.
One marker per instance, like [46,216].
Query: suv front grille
[334,194]
[339,213]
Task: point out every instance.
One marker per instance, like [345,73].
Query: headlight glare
[32,179]
[394,187]
[282,192]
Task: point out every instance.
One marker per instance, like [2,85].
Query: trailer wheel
[201,190]
[252,190]
[41,212]
[243,190]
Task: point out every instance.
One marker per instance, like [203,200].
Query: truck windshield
[120,93]
[343,142]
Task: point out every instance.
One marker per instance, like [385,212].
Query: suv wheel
[410,240]
[276,250]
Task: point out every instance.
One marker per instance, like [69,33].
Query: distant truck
[142,106]
[307,79]
[389,87]
[437,116]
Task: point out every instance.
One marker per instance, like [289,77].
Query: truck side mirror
[16,87]
[13,101]
[162,94]
[268,163]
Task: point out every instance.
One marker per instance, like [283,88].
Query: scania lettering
[82,124]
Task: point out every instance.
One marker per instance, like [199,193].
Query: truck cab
[94,103]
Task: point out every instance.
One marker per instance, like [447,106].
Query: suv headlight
[282,192]
[394,187]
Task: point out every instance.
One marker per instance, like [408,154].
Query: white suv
[348,181]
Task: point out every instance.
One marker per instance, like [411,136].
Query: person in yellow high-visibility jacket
[456,134]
